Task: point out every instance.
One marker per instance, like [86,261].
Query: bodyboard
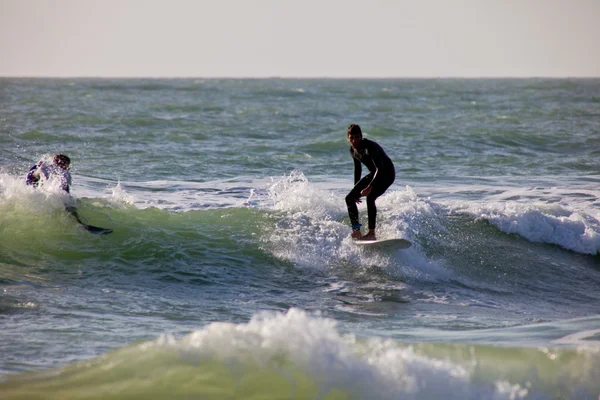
[96,229]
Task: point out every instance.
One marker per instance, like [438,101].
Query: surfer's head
[61,161]
[354,135]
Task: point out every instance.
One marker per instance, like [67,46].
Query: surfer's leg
[372,211]
[372,214]
[351,200]
[351,204]
[372,208]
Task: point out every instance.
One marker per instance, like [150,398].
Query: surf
[296,355]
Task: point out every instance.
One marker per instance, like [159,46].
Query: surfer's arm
[65,180]
[33,176]
[357,170]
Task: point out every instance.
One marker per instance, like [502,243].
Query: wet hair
[61,160]
[354,130]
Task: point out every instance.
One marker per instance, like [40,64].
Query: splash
[120,196]
[16,196]
[296,194]
[312,228]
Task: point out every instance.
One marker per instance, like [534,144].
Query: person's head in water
[61,161]
[354,135]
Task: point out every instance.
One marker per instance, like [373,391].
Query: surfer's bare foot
[356,234]
[369,236]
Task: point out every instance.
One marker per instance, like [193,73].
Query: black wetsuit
[381,176]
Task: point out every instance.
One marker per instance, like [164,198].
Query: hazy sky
[300,38]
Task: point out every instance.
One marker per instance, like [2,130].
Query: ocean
[230,273]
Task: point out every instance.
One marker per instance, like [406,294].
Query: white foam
[43,200]
[375,369]
[309,234]
[541,222]
[296,194]
[120,196]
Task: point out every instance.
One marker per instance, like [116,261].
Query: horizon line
[291,77]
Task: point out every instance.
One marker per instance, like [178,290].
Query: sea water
[230,273]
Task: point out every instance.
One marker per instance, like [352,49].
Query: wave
[456,259]
[541,223]
[295,222]
[36,229]
[296,355]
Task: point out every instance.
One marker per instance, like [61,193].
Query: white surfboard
[388,243]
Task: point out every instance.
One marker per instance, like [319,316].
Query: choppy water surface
[230,273]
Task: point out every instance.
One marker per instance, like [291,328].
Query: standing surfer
[380,177]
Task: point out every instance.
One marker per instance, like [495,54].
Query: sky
[300,38]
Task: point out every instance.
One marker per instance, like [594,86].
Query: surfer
[380,177]
[59,169]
